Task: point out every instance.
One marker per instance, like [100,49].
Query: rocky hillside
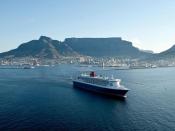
[100,47]
[45,47]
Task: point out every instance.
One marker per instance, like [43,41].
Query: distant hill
[45,47]
[165,55]
[170,53]
[99,47]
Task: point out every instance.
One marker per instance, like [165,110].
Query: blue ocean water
[43,99]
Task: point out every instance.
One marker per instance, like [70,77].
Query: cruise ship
[100,84]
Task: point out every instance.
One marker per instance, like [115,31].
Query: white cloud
[136,42]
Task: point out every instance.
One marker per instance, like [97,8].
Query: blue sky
[149,24]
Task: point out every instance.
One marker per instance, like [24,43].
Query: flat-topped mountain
[45,47]
[100,47]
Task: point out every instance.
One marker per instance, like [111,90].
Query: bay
[43,99]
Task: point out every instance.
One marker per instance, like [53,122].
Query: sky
[149,24]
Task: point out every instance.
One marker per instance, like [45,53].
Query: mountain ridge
[46,47]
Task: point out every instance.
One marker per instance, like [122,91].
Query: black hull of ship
[101,90]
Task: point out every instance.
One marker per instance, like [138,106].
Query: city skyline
[148,24]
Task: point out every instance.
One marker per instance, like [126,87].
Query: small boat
[100,84]
[27,66]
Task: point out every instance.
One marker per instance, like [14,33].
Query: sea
[43,99]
